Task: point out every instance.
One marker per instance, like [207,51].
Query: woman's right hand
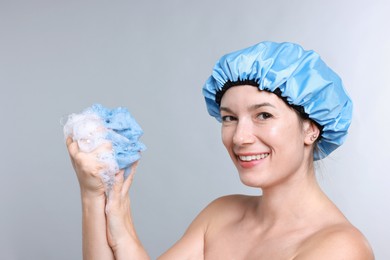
[88,168]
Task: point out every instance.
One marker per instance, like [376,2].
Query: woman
[281,109]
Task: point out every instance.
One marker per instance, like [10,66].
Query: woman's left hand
[121,233]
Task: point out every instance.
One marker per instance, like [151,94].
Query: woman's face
[264,137]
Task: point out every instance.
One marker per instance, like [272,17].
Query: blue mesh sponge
[97,124]
[124,136]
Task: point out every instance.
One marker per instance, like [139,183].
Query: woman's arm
[108,230]
[122,235]
[121,232]
[95,244]
[87,168]
[191,245]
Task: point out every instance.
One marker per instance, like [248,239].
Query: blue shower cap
[297,76]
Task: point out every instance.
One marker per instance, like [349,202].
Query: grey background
[58,57]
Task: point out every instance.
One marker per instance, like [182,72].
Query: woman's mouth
[254,157]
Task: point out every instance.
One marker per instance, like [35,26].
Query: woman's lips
[254,157]
[250,160]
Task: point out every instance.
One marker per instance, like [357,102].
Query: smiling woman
[264,137]
[281,108]
[276,102]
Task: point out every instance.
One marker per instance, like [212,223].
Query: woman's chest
[241,243]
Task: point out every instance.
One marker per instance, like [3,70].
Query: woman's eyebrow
[226,109]
[265,104]
[251,108]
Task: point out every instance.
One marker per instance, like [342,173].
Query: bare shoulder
[229,201]
[340,241]
[191,245]
[234,205]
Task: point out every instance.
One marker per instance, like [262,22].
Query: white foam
[88,130]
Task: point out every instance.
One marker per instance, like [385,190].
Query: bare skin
[107,222]
[293,219]
[95,245]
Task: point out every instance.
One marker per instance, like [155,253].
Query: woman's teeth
[253,157]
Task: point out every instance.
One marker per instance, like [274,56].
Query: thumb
[115,192]
[118,181]
[129,180]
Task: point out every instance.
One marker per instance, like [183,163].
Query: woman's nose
[243,134]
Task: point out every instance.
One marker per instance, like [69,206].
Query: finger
[69,140]
[129,180]
[105,145]
[104,148]
[73,147]
[114,195]
[118,181]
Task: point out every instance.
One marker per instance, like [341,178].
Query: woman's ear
[311,132]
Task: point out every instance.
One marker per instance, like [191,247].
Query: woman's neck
[292,202]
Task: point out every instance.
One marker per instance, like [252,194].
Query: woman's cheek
[226,136]
[273,132]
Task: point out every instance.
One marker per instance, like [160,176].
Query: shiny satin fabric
[302,78]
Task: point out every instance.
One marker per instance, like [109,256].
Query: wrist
[88,195]
[130,249]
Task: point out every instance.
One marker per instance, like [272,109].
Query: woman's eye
[228,118]
[264,115]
